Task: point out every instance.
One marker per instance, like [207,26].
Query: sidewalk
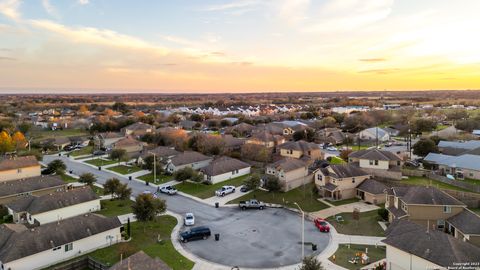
[345,208]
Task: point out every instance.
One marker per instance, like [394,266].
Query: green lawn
[441,127]
[68,178]
[88,150]
[471,181]
[342,202]
[112,208]
[308,201]
[98,190]
[41,134]
[423,181]
[161,178]
[123,169]
[336,160]
[204,191]
[146,240]
[344,254]
[100,162]
[366,225]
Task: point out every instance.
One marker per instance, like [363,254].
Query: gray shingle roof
[372,186]
[188,157]
[288,164]
[299,146]
[346,170]
[55,200]
[224,165]
[397,213]
[466,161]
[375,154]
[161,152]
[17,241]
[8,188]
[330,187]
[434,246]
[139,126]
[466,221]
[467,145]
[428,195]
[18,162]
[140,261]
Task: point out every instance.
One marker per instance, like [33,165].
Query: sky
[181,46]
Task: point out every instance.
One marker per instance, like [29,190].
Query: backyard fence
[82,264]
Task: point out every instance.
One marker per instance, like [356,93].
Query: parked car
[225,190]
[154,194]
[195,233]
[170,190]
[70,148]
[244,189]
[99,153]
[253,204]
[322,225]
[189,219]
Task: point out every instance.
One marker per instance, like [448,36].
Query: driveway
[348,208]
[255,239]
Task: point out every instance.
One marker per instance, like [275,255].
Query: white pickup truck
[225,190]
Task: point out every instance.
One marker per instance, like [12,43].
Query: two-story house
[40,185]
[339,182]
[378,163]
[132,146]
[265,139]
[137,129]
[291,172]
[14,168]
[301,149]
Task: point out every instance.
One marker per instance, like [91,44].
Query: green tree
[183,174]
[424,146]
[311,263]
[24,127]
[123,192]
[272,183]
[146,208]
[120,107]
[148,164]
[87,178]
[56,166]
[252,182]
[111,186]
[118,154]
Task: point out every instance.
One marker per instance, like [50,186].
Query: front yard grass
[162,178]
[471,181]
[68,179]
[336,160]
[43,134]
[124,169]
[113,208]
[422,181]
[344,254]
[87,150]
[367,224]
[100,162]
[342,202]
[308,201]
[146,240]
[204,191]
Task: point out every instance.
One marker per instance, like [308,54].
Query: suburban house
[371,191]
[52,243]
[132,146]
[461,167]
[378,163]
[140,261]
[465,226]
[339,182]
[266,139]
[457,148]
[137,129]
[301,149]
[54,207]
[330,135]
[373,133]
[160,152]
[291,172]
[107,139]
[37,186]
[192,159]
[232,143]
[411,246]
[58,142]
[242,129]
[18,168]
[427,206]
[189,124]
[224,168]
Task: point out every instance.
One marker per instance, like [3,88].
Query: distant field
[39,135]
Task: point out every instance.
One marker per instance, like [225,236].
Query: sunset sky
[184,46]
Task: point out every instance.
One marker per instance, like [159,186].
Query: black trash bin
[314,247]
[71,172]
[130,177]
[147,183]
[217,236]
[68,155]
[59,154]
[216,205]
[99,168]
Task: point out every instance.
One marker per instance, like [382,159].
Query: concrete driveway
[254,239]
[331,211]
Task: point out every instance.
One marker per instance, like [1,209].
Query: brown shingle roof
[299,146]
[346,170]
[371,186]
[129,141]
[374,154]
[140,261]
[55,200]
[288,164]
[8,188]
[428,195]
[188,157]
[18,162]
[161,152]
[434,246]
[224,165]
[16,243]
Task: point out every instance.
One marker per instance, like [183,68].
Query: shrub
[383,213]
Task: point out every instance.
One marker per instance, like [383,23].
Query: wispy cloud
[10,9]
[83,2]
[372,59]
[49,8]
[382,71]
[232,5]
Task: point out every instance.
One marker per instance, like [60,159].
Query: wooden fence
[81,264]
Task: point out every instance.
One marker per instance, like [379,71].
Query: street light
[303,229]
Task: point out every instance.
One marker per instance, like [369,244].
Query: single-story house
[137,129]
[225,168]
[374,133]
[463,166]
[160,152]
[192,159]
[132,146]
[14,168]
[52,243]
[37,186]
[53,207]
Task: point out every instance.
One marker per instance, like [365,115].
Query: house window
[447,209]
[376,162]
[353,180]
[440,224]
[309,153]
[68,247]
[404,207]
[319,177]
[57,248]
[371,162]
[398,163]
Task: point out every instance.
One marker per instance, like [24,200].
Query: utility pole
[154,168]
[376,136]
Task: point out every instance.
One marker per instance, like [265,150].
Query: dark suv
[195,233]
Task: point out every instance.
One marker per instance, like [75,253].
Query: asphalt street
[254,238]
